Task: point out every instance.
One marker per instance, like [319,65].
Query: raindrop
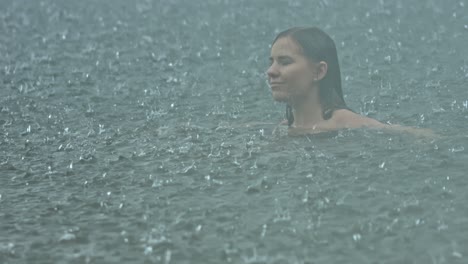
[388,59]
[457,149]
[167,257]
[101,129]
[382,165]
[189,169]
[148,250]
[264,229]
[442,226]
[67,237]
[357,237]
[422,118]
[306,196]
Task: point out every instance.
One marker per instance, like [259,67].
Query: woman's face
[291,75]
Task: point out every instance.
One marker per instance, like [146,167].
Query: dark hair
[318,46]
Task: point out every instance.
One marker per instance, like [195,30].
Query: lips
[273,84]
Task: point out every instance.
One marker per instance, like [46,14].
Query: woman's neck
[307,112]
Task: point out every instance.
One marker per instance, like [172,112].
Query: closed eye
[282,60]
[285,60]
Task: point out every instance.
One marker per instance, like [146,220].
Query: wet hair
[317,46]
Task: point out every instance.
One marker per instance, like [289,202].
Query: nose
[272,72]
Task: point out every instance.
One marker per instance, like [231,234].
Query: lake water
[122,137]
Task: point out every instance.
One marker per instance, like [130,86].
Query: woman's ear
[322,68]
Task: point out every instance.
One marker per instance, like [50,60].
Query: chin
[280,97]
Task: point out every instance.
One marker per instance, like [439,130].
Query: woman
[305,74]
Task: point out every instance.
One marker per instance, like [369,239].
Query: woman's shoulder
[344,118]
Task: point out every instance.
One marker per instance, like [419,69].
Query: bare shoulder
[344,118]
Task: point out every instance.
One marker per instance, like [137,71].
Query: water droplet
[305,199]
[148,250]
[264,229]
[442,226]
[67,237]
[357,237]
[457,149]
[388,58]
[167,256]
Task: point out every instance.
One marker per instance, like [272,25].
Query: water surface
[121,137]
